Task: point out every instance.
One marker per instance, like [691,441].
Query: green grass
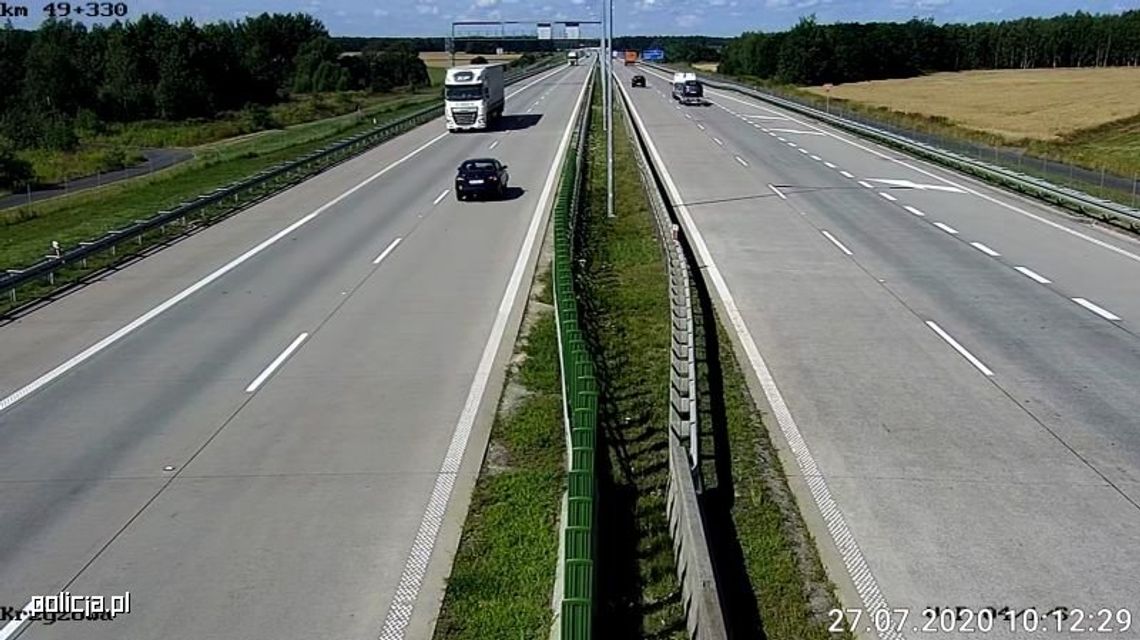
[626,317]
[26,232]
[53,167]
[784,592]
[504,571]
[437,75]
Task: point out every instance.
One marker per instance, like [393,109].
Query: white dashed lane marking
[1100,311]
[1033,275]
[984,249]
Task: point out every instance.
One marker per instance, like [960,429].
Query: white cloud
[919,5]
[794,4]
[425,9]
[379,13]
[578,1]
[687,20]
[486,3]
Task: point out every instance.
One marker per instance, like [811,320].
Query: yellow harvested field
[443,59]
[1038,104]
[706,66]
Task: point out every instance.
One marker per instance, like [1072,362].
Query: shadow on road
[518,122]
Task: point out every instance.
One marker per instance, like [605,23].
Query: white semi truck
[473,96]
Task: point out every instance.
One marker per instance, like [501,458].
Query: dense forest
[812,54]
[65,78]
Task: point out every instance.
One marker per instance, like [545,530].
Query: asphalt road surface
[262,431]
[952,369]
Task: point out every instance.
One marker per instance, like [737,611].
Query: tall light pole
[609,114]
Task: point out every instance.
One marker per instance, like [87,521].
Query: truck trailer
[630,57]
[473,96]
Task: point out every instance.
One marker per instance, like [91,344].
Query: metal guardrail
[580,405]
[704,612]
[1072,199]
[219,203]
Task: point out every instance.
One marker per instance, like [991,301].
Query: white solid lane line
[984,249]
[440,197]
[915,211]
[741,161]
[14,625]
[277,362]
[717,140]
[386,251]
[836,242]
[777,192]
[947,228]
[493,144]
[959,348]
[1033,275]
[888,196]
[866,184]
[415,568]
[1099,310]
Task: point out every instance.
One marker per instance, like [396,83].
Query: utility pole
[609,114]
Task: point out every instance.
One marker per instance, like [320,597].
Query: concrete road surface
[260,431]
[953,369]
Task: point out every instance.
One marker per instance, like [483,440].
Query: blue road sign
[653,54]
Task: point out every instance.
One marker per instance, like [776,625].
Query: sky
[643,17]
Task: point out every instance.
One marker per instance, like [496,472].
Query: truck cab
[473,96]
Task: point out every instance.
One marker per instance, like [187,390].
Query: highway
[950,370]
[271,428]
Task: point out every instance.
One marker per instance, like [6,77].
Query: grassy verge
[626,316]
[26,232]
[503,574]
[117,145]
[771,574]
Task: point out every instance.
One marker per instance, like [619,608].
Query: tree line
[676,48]
[812,54]
[65,78]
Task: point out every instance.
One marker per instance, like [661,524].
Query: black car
[481,176]
[638,81]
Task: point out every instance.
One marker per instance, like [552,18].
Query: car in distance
[481,177]
[638,81]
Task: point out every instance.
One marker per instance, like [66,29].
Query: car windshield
[463,92]
[479,165]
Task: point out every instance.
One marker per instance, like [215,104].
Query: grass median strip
[503,575]
[625,309]
[771,572]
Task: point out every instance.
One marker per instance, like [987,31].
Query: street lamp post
[609,113]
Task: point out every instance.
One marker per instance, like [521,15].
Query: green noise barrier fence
[580,408]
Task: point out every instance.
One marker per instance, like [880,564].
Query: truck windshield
[463,92]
